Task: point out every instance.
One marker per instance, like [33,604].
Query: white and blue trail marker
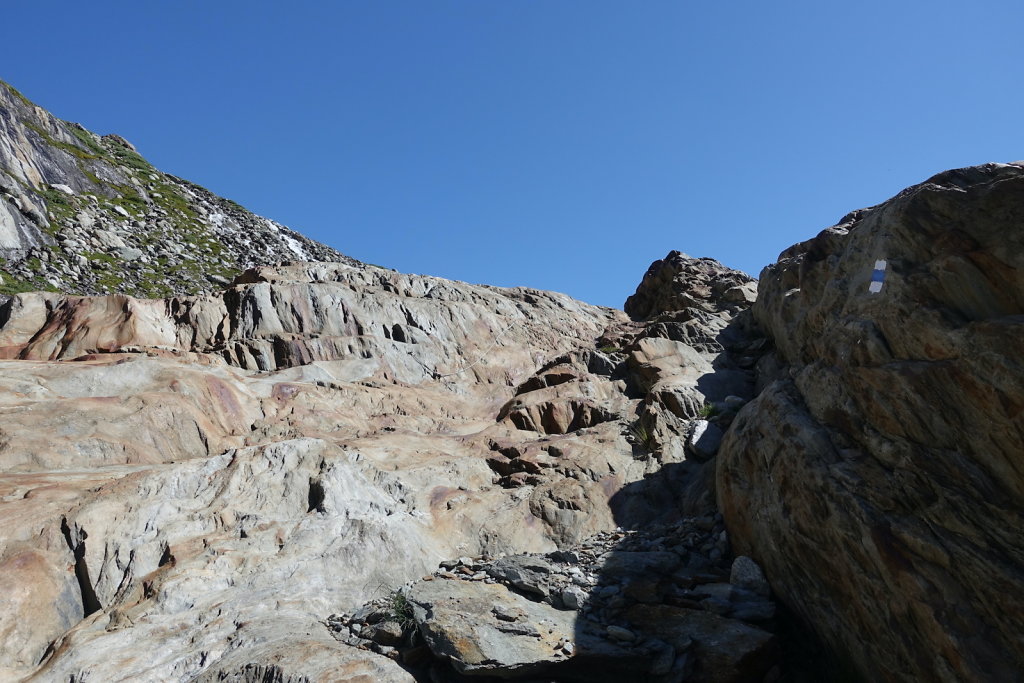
[877,277]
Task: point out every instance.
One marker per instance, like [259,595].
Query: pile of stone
[662,602]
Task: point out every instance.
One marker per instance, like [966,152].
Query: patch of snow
[294,245]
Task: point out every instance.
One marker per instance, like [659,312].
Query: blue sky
[556,144]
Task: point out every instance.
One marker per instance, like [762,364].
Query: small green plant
[400,610]
[707,410]
[608,348]
[641,435]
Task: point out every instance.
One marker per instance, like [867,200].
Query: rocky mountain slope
[86,214]
[326,470]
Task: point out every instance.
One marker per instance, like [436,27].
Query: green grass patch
[87,140]
[73,150]
[126,157]
[61,206]
[15,285]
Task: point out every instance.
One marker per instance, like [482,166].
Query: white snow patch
[294,245]
[289,241]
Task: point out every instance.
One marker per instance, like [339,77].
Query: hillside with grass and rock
[87,214]
[228,453]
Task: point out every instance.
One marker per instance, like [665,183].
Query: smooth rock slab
[704,440]
[526,573]
[747,574]
[467,623]
[312,657]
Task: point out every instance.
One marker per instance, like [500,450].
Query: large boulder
[879,477]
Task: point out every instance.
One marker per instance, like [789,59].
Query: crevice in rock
[90,603]
[315,497]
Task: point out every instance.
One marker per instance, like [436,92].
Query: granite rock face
[879,476]
[85,214]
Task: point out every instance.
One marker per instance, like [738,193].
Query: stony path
[594,611]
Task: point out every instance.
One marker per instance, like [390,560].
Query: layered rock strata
[879,476]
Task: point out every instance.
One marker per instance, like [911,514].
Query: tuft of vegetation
[126,157]
[707,410]
[14,284]
[609,348]
[400,610]
[87,140]
[641,435]
[73,150]
[9,284]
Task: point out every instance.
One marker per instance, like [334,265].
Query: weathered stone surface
[464,622]
[704,440]
[878,479]
[747,574]
[679,282]
[212,475]
[612,639]
[528,574]
[268,652]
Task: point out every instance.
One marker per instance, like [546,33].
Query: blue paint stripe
[878,276]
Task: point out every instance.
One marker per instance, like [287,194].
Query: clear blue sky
[556,144]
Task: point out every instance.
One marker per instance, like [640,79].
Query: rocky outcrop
[215,475]
[681,283]
[85,214]
[878,477]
